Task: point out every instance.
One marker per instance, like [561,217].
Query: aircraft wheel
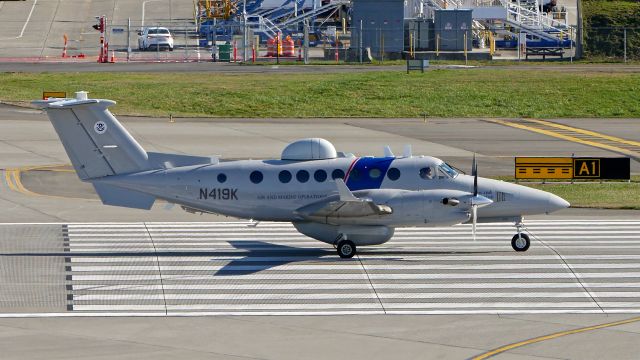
[520,242]
[346,249]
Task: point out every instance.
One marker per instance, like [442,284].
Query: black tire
[346,249]
[170,49]
[521,244]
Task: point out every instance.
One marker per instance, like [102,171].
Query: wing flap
[347,209]
[343,205]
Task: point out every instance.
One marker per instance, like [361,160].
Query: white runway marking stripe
[356,276]
[357,306]
[354,296]
[342,267]
[356,286]
[331,258]
[421,270]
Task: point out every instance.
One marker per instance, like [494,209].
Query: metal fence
[612,43]
[363,43]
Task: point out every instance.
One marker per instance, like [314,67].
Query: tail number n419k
[218,194]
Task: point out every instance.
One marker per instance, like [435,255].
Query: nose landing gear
[520,241]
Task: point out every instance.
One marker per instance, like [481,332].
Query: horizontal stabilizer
[117,196]
[162,160]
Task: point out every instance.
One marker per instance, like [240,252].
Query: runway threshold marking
[512,346]
[586,137]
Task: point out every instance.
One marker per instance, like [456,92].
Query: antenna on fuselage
[388,152]
[407,151]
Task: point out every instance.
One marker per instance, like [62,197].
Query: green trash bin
[224,52]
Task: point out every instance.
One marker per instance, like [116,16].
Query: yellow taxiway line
[586,132]
[505,348]
[8,176]
[14,180]
[567,137]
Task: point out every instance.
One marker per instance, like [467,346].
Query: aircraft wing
[345,205]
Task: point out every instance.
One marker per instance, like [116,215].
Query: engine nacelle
[428,208]
[359,234]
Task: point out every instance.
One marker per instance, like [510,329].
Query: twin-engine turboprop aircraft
[337,198]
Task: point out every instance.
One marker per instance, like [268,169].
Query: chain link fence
[612,43]
[329,42]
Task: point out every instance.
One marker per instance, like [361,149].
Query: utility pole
[360,42]
[306,42]
[245,41]
[579,37]
[128,39]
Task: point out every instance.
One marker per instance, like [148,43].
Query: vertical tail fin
[97,144]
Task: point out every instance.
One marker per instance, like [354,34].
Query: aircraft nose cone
[557,203]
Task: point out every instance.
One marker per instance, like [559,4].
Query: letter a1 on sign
[586,168]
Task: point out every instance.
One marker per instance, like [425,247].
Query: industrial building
[384,29]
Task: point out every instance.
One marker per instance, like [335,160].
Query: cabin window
[337,174]
[393,174]
[302,176]
[222,178]
[375,173]
[354,174]
[426,173]
[256,177]
[284,176]
[320,175]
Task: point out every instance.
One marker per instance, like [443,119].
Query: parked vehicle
[155,38]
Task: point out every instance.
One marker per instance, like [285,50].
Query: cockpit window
[446,169]
[426,173]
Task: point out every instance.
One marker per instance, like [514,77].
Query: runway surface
[573,266]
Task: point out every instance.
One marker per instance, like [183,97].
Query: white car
[155,38]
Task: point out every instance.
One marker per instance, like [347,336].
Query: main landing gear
[346,248]
[520,241]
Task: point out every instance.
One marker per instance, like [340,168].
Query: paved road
[35,28]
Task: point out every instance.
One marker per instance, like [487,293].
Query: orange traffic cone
[113,57]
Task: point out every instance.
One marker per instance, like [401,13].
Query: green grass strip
[595,195]
[443,93]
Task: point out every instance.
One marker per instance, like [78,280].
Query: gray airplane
[334,197]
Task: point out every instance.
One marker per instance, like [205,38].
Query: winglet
[388,152]
[407,151]
[344,192]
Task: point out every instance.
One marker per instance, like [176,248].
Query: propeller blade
[474,220]
[474,171]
